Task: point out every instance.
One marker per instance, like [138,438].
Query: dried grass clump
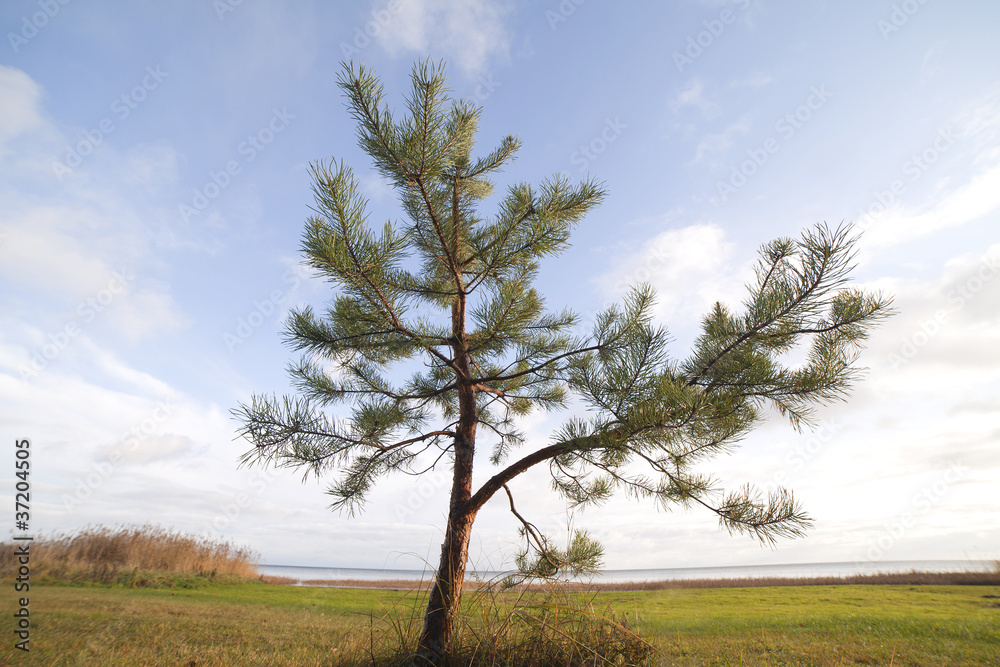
[556,624]
[133,552]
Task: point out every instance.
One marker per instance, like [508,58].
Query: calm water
[619,576]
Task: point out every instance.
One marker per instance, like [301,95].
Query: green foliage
[449,291]
[672,415]
[540,559]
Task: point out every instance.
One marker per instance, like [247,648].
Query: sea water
[622,576]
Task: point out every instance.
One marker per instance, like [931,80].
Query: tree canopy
[451,288]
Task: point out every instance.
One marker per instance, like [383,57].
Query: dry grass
[104,555]
[913,578]
[538,626]
[285,581]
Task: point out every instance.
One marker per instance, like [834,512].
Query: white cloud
[468,34]
[979,197]
[944,327]
[19,104]
[82,246]
[967,149]
[110,366]
[694,96]
[719,142]
[690,268]
[155,448]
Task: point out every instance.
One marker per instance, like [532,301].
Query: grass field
[262,624]
[142,595]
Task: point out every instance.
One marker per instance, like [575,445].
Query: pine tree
[453,290]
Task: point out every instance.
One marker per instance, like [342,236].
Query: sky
[154,187]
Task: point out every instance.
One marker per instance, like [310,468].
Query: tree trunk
[445,597]
[442,607]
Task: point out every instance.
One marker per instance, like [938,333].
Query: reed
[131,554]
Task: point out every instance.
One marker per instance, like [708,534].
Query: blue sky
[154,187]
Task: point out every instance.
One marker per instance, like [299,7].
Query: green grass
[222,624]
[826,625]
[259,624]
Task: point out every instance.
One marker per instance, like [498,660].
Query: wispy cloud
[694,95]
[19,104]
[77,256]
[719,142]
[468,34]
[755,80]
[969,192]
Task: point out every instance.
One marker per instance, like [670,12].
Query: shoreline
[913,578]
